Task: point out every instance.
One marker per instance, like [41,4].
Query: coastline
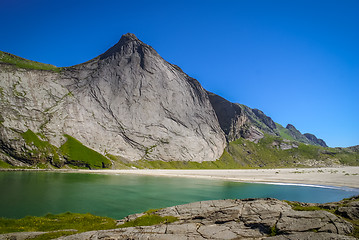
[345,176]
[329,176]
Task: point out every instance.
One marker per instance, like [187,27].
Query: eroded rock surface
[233,219]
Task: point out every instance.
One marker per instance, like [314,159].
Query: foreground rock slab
[233,219]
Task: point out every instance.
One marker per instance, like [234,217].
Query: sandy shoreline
[336,176]
[329,176]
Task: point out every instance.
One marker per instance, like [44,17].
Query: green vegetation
[27,64]
[149,219]
[242,153]
[118,162]
[273,231]
[31,138]
[50,222]
[284,133]
[79,155]
[264,154]
[42,155]
[70,223]
[5,165]
[149,211]
[298,207]
[41,150]
[267,153]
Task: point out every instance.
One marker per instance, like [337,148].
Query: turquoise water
[116,196]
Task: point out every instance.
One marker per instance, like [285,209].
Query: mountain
[126,107]
[237,120]
[127,102]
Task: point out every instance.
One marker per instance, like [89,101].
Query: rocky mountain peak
[151,109]
[305,138]
[315,140]
[291,127]
[129,36]
[127,44]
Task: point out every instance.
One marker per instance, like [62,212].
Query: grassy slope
[80,155]
[245,154]
[284,133]
[41,150]
[5,165]
[265,154]
[41,154]
[27,64]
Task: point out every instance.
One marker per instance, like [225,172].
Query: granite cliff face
[127,104]
[141,107]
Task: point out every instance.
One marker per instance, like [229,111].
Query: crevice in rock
[197,230]
[223,221]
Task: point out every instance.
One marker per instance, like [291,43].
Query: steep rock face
[230,116]
[127,102]
[29,100]
[264,118]
[151,108]
[237,120]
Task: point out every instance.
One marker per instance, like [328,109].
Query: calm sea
[116,196]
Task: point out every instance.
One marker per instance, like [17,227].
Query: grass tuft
[273,231]
[149,220]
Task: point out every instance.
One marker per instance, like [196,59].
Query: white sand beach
[334,176]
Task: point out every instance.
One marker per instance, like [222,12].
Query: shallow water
[116,196]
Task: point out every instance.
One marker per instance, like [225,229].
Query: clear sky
[297,60]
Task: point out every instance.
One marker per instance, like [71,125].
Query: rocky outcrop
[305,138]
[264,118]
[231,117]
[233,219]
[296,134]
[314,140]
[237,120]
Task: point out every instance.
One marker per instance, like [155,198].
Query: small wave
[311,185]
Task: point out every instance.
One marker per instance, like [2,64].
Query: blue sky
[298,61]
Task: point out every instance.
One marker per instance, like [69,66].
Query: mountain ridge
[128,104]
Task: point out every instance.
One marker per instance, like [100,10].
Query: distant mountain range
[129,107]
